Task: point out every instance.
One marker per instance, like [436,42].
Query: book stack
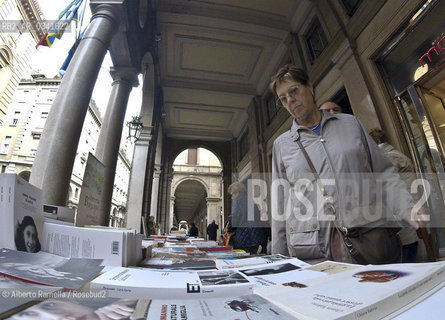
[116,247]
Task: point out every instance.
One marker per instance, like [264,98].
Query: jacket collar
[294,130]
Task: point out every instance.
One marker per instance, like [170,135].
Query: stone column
[213,209]
[155,190]
[56,153]
[137,181]
[172,211]
[109,139]
[139,168]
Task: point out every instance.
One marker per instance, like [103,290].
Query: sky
[49,60]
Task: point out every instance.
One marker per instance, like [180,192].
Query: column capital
[126,74]
[112,9]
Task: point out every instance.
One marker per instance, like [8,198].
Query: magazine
[369,292]
[248,307]
[161,284]
[21,215]
[47,269]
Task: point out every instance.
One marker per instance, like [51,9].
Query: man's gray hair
[236,187]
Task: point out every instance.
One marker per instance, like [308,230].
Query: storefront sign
[437,48]
[419,50]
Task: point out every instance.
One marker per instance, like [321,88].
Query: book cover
[47,269]
[246,262]
[161,284]
[369,292]
[21,210]
[73,307]
[16,295]
[332,267]
[286,272]
[178,263]
[248,307]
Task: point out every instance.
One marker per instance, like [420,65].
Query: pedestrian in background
[244,237]
[405,168]
[212,230]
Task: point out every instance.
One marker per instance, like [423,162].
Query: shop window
[192,156]
[341,98]
[15,119]
[5,56]
[6,144]
[351,6]
[315,39]
[243,145]
[271,108]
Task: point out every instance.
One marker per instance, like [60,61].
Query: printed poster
[90,195]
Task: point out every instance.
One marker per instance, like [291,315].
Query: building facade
[17,45]
[206,68]
[20,137]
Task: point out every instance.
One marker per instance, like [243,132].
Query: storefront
[413,65]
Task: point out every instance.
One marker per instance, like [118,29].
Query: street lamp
[134,128]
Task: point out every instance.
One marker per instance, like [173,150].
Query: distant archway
[196,188]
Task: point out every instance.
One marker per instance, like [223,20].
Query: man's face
[331,107]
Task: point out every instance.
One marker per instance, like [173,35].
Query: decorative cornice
[31,11]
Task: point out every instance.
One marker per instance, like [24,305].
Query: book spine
[117,291]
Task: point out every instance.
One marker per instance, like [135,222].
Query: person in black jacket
[193,230]
[211,230]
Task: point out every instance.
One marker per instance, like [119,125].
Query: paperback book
[370,292]
[70,307]
[246,262]
[161,284]
[15,295]
[286,272]
[178,263]
[21,215]
[47,269]
[113,246]
[248,307]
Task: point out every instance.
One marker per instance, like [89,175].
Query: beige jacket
[361,182]
[404,167]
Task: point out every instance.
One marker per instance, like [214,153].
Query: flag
[70,54]
[70,13]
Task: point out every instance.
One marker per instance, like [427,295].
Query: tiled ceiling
[215,56]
